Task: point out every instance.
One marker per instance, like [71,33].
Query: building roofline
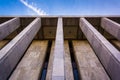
[75,16]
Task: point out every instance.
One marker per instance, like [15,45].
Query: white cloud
[33,7]
[30,12]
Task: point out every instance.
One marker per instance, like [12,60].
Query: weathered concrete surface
[58,63]
[3,43]
[8,27]
[67,63]
[89,66]
[13,51]
[107,53]
[30,66]
[111,26]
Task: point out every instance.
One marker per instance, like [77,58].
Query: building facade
[60,48]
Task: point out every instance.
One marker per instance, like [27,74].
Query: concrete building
[60,48]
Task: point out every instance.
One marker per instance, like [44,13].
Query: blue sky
[59,7]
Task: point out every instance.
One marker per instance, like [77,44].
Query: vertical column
[8,27]
[14,50]
[58,63]
[107,53]
[111,27]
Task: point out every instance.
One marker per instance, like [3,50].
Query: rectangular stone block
[106,52]
[14,50]
[8,27]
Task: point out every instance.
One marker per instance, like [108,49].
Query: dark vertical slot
[45,64]
[74,64]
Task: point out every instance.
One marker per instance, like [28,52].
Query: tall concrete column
[111,27]
[14,50]
[107,53]
[8,27]
[58,63]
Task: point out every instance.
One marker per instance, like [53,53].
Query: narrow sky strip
[59,7]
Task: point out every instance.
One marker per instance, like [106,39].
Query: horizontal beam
[14,50]
[8,27]
[111,27]
[107,53]
[58,62]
